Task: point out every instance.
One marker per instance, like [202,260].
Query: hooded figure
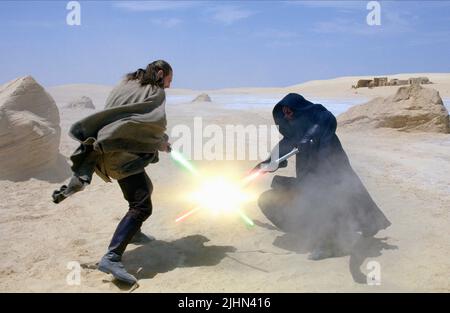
[118,143]
[326,203]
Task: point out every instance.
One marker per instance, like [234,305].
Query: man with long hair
[118,143]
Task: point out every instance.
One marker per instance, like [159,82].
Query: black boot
[126,229]
[111,261]
[140,238]
[111,264]
[322,250]
[320,254]
[76,184]
[330,249]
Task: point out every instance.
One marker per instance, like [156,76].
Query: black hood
[304,111]
[295,102]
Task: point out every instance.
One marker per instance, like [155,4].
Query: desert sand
[341,87]
[407,174]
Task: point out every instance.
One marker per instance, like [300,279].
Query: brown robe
[125,137]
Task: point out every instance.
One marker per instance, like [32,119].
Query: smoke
[325,211]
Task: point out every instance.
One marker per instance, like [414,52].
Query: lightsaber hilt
[286,156]
[273,165]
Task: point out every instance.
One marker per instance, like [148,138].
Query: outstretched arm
[283,147]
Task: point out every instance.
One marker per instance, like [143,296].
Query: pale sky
[217,44]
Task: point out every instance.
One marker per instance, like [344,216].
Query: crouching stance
[326,203]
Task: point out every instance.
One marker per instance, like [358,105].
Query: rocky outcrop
[202,98]
[29,129]
[412,108]
[81,103]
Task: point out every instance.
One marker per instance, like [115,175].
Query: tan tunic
[128,133]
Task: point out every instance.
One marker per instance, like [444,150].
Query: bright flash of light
[220,195]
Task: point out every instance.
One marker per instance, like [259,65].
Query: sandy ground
[407,175]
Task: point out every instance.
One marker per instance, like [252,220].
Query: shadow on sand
[362,249]
[366,247]
[159,256]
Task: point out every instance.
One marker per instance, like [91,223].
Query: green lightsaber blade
[246,219]
[180,159]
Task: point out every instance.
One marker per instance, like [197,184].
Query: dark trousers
[137,190]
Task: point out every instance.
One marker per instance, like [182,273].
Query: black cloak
[326,201]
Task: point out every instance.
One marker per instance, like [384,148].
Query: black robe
[326,201]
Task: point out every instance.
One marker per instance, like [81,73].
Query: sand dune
[407,175]
[340,87]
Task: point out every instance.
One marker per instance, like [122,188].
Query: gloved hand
[165,147]
[304,144]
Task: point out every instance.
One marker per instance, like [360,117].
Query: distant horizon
[256,87]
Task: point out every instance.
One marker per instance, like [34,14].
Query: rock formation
[202,98]
[29,129]
[81,103]
[412,108]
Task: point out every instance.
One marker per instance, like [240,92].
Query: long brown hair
[149,75]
